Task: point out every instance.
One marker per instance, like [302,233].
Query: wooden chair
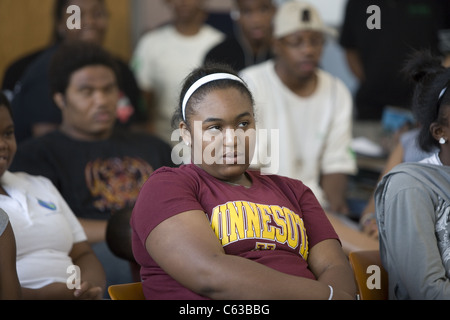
[360,262]
[126,291]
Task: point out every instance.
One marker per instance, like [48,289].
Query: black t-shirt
[33,102]
[405,26]
[232,52]
[16,69]
[95,178]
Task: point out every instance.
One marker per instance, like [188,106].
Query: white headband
[202,81]
[442,93]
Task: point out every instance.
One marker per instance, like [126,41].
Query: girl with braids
[413,200]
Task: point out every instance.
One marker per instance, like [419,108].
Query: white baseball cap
[295,15]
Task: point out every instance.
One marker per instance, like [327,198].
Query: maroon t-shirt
[274,222]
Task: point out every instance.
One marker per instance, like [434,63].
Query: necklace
[238,184]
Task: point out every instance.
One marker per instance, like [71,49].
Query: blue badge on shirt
[48,205]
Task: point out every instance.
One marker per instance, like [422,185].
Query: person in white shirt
[9,282]
[433,159]
[164,56]
[311,109]
[54,259]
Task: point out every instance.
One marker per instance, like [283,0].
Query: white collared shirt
[434,159]
[44,226]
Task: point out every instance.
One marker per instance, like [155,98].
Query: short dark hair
[70,57]
[430,79]
[198,73]
[5,102]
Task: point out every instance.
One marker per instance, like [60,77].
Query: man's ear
[185,134]
[59,99]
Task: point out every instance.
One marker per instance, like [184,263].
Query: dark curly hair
[70,57]
[430,79]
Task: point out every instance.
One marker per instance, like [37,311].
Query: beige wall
[26,25]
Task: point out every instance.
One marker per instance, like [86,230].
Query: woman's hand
[88,291]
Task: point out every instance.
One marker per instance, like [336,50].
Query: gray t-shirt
[3,221]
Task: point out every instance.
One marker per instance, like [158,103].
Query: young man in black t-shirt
[97,168]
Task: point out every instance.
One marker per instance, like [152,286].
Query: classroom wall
[26,26]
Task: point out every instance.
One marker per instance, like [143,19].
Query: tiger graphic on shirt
[238,220]
[115,182]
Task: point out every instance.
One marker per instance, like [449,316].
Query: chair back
[126,291]
[370,276]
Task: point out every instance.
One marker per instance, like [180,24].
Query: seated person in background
[34,110]
[163,57]
[49,237]
[311,109]
[14,72]
[9,282]
[406,150]
[251,43]
[98,167]
[412,201]
[263,236]
[376,56]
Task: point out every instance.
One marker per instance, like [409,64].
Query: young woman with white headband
[412,201]
[216,230]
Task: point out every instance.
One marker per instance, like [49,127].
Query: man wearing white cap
[311,109]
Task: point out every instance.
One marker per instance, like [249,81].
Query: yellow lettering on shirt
[292,237]
[253,220]
[236,222]
[239,220]
[268,231]
[278,216]
[217,222]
